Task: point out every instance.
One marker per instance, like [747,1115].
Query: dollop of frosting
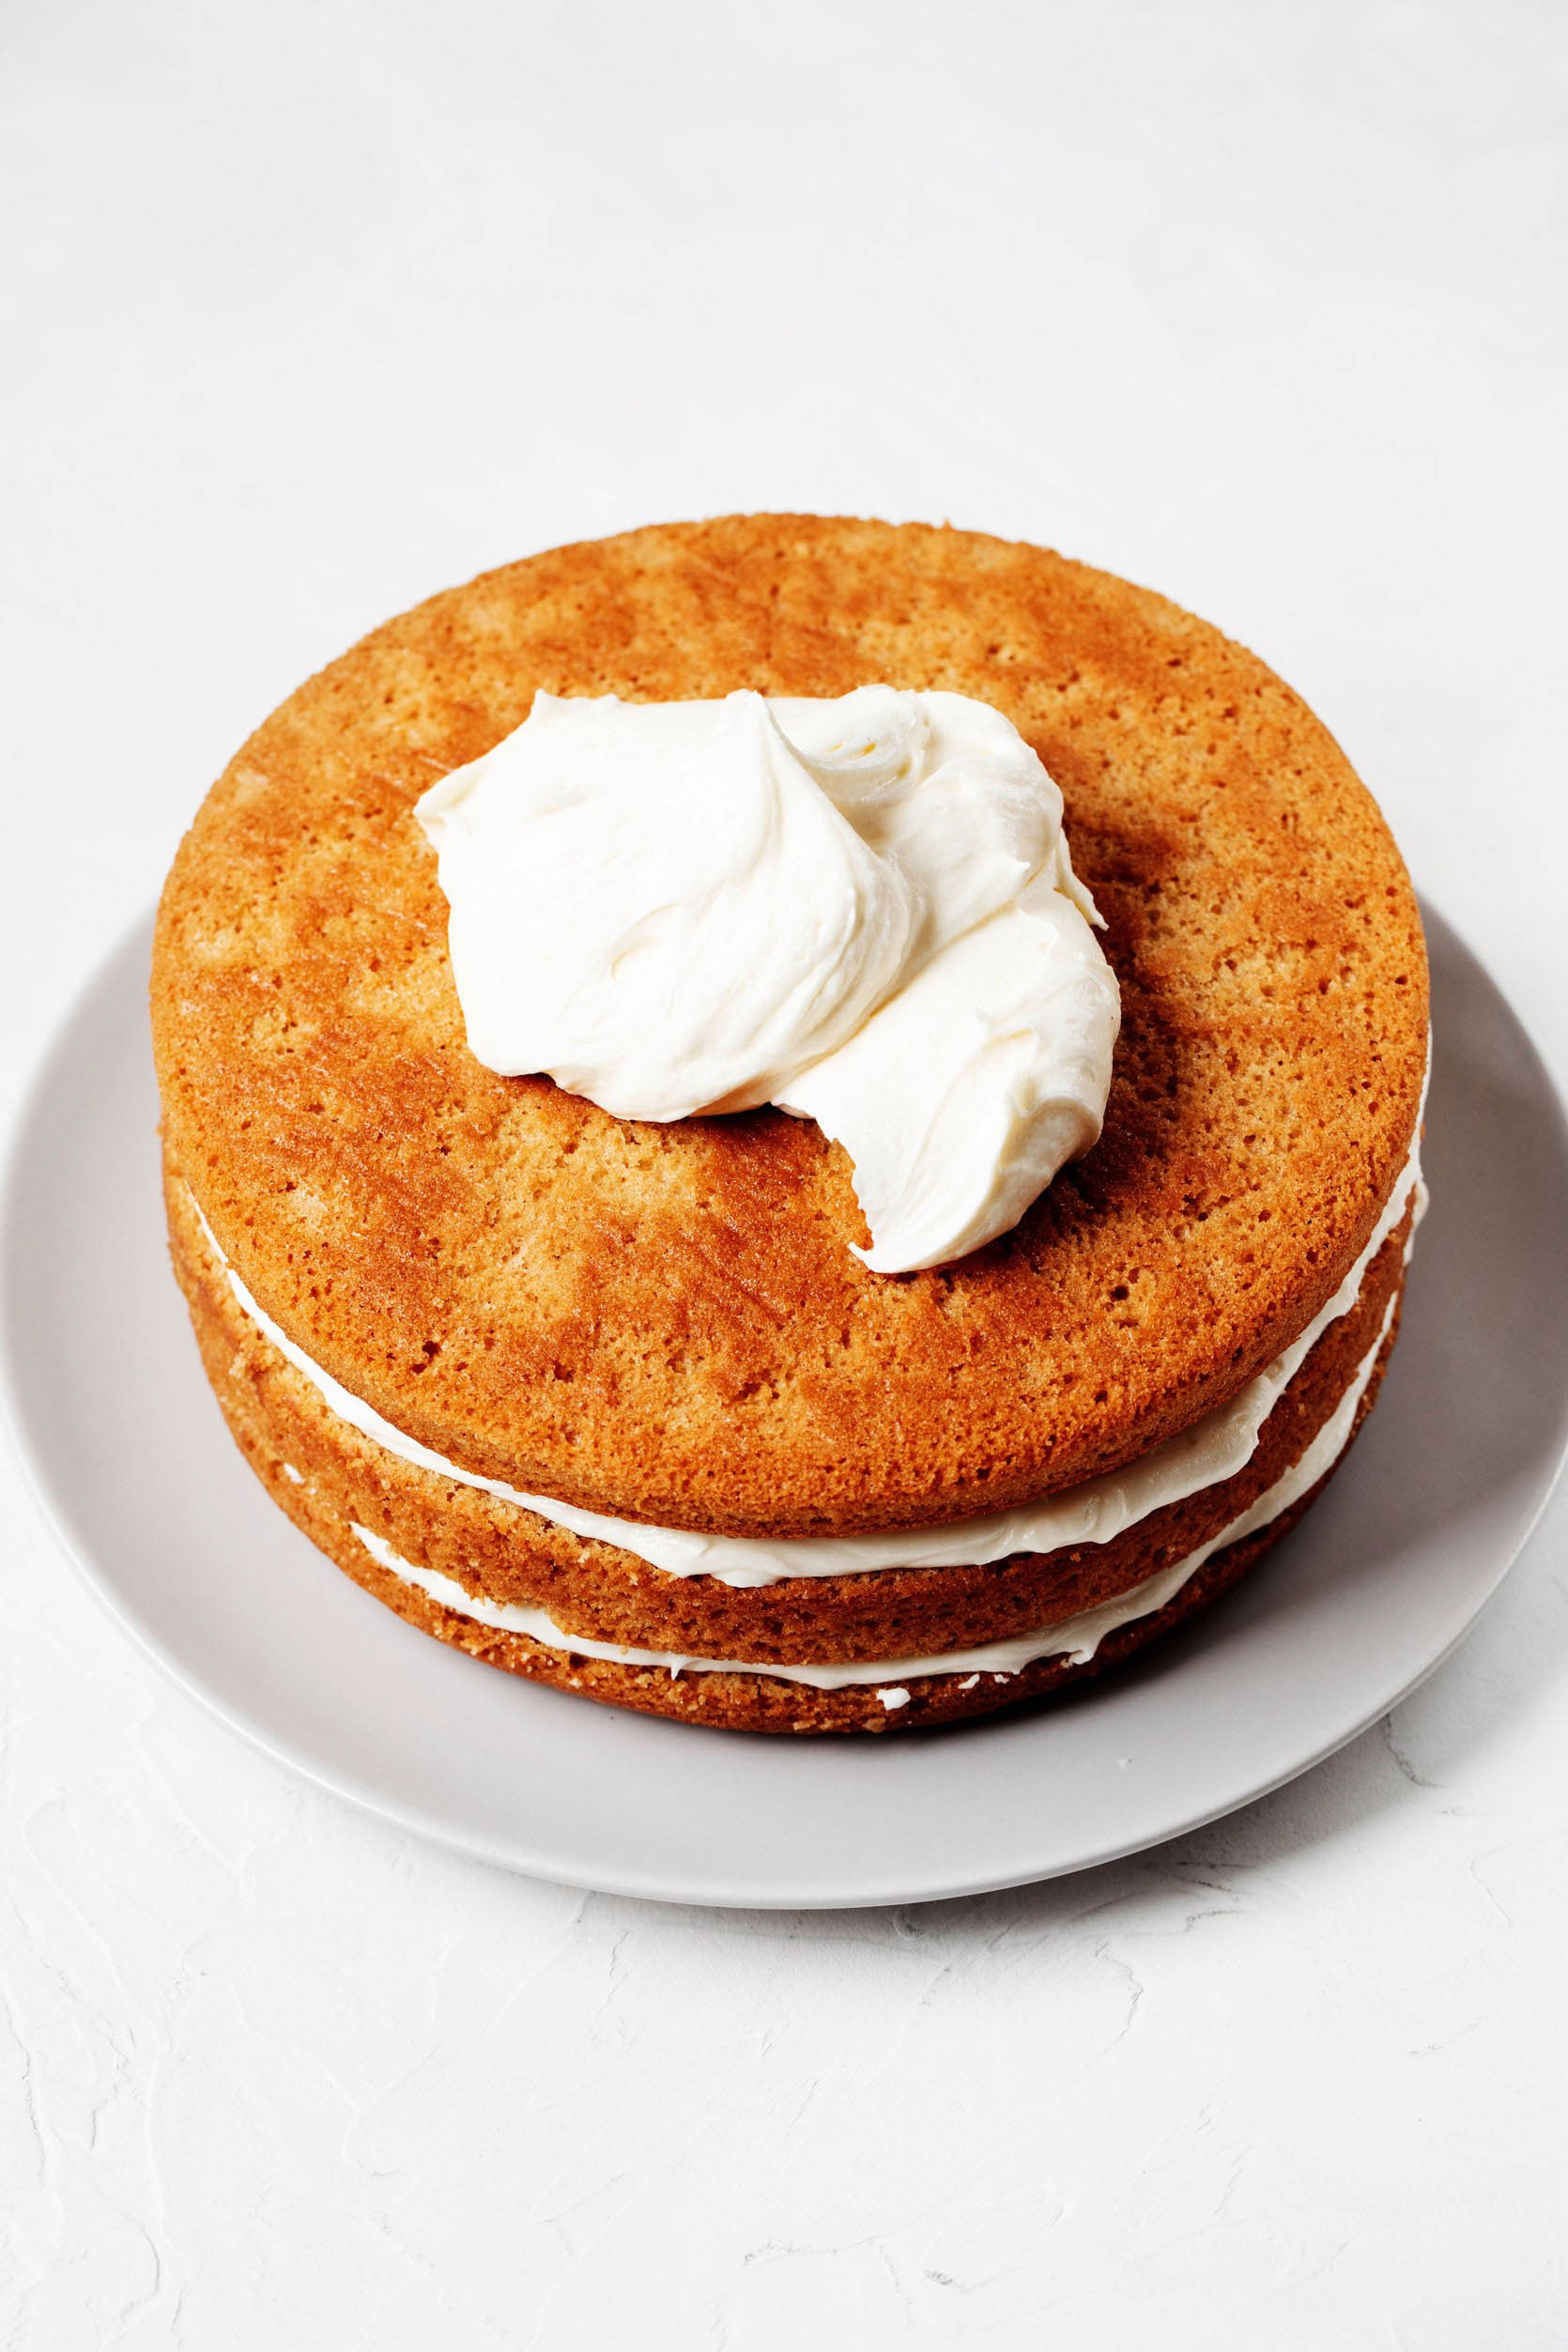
[861,909]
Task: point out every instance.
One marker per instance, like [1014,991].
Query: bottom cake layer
[737,1701]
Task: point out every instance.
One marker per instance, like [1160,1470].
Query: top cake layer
[667,1322]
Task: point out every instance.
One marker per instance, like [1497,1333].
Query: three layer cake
[616,1402]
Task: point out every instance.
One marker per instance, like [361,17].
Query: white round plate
[138,1473]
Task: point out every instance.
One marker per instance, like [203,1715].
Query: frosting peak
[861,909]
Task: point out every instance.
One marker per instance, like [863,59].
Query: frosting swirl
[861,909]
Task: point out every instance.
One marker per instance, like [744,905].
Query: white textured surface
[322,307]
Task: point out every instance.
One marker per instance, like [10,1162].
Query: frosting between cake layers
[1074,1638]
[1212,1448]
[861,908]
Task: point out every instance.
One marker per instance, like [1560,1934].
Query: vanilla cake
[615,1401]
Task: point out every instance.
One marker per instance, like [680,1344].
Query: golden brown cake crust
[667,1322]
[502,1553]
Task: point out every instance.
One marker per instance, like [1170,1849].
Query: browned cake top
[668,1322]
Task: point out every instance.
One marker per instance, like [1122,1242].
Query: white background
[311,310]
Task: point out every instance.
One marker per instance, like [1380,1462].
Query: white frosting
[1214,1447]
[1075,1639]
[861,909]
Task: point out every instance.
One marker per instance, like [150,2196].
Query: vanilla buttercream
[862,909]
